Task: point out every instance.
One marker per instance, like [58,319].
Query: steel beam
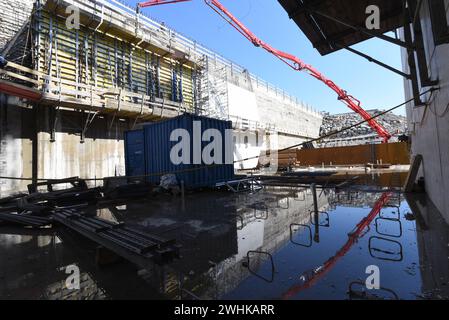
[365,31]
[380,63]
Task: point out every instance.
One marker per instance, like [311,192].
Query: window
[246,141]
[439,21]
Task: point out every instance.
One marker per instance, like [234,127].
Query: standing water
[266,245]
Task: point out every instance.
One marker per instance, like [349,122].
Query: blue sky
[376,87]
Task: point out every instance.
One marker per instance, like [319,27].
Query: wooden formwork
[388,153]
[41,89]
[101,66]
[112,63]
[285,158]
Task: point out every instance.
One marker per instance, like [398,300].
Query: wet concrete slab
[266,245]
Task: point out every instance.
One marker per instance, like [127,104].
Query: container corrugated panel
[157,147]
[135,153]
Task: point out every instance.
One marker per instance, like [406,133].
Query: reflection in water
[267,245]
[433,246]
[310,278]
[33,267]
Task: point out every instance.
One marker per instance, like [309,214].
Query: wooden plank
[18,90]
[24,69]
[391,153]
[413,173]
[20,77]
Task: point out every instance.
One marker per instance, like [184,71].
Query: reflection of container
[147,151]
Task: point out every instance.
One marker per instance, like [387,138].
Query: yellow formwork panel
[104,62]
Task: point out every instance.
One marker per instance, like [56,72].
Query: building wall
[429,125]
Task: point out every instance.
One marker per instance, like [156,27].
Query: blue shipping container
[153,142]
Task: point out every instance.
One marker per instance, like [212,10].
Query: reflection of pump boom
[313,276]
[292,61]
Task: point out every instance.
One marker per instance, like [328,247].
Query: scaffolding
[120,62]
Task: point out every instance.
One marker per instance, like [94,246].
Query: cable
[432,99]
[246,159]
[435,112]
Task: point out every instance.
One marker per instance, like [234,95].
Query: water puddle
[267,245]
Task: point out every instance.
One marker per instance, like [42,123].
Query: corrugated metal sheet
[157,148]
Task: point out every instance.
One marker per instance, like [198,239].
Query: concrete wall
[16,141]
[289,118]
[429,125]
[292,122]
[100,155]
[247,145]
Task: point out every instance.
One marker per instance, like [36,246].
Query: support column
[35,145]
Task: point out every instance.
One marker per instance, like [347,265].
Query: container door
[135,153]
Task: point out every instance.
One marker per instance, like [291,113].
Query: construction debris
[395,124]
[121,188]
[41,203]
[37,210]
[26,220]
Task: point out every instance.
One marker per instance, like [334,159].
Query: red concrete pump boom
[291,60]
[158,2]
